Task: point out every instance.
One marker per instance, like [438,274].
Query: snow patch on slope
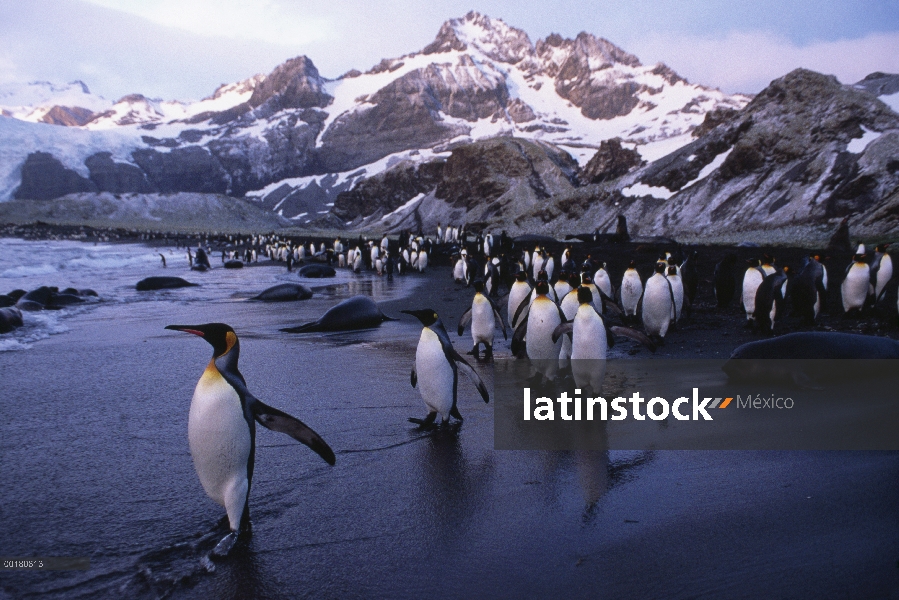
[858,145]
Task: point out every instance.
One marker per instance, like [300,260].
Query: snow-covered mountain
[485,127]
[293,139]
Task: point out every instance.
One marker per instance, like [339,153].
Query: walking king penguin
[436,370]
[222,432]
[483,316]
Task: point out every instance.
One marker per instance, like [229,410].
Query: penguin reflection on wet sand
[436,370]
[222,430]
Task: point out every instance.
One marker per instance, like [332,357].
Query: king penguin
[483,316]
[536,323]
[677,289]
[631,290]
[436,370]
[857,285]
[752,279]
[881,269]
[221,429]
[658,303]
[603,282]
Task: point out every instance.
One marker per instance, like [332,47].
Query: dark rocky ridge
[787,166]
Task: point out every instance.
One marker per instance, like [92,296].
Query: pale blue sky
[183,49]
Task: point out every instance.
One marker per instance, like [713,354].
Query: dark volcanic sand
[95,462]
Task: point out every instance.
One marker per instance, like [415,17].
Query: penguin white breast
[751,282]
[483,323]
[219,435]
[435,374]
[855,286]
[885,273]
[542,321]
[657,305]
[589,335]
[602,281]
[458,272]
[631,290]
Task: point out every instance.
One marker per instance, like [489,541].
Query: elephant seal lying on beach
[10,318]
[50,298]
[807,357]
[162,283]
[286,292]
[317,271]
[358,312]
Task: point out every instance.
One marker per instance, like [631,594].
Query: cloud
[267,20]
[749,61]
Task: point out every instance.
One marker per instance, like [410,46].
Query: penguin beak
[186,329]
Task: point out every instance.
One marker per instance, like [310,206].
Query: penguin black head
[427,316]
[586,278]
[542,276]
[672,270]
[584,295]
[219,335]
[660,268]
[542,287]
[478,285]
[632,265]
[521,276]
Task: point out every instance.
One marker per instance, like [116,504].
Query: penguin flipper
[673,303]
[276,420]
[523,308]
[634,335]
[498,316]
[518,342]
[464,321]
[562,329]
[609,304]
[413,378]
[463,366]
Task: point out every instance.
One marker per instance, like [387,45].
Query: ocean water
[94,462]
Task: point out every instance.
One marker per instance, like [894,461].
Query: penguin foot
[426,423]
[225,546]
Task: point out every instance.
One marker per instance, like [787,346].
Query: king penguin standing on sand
[436,370]
[222,430]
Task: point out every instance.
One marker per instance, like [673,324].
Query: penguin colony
[561,302]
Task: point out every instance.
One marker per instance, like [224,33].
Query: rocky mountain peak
[566,58]
[295,83]
[879,84]
[240,87]
[494,38]
[814,109]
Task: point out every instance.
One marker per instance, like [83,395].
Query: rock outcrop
[44,177]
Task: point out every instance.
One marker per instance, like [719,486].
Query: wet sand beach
[95,462]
